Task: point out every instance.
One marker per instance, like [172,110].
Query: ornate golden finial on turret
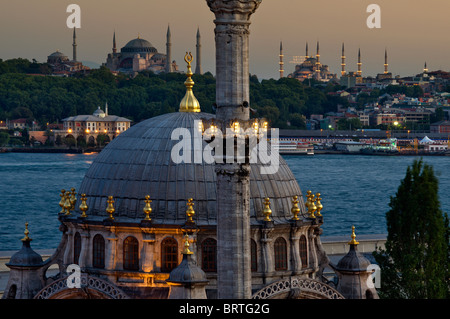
[110,209]
[147,208]
[353,241]
[295,210]
[308,199]
[267,211]
[189,103]
[318,204]
[67,204]
[26,232]
[312,207]
[190,211]
[73,198]
[83,206]
[62,201]
[186,250]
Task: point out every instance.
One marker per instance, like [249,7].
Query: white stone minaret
[359,72]
[169,52]
[343,61]
[198,67]
[232,22]
[281,61]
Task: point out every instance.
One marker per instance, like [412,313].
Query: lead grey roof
[93,118]
[138,163]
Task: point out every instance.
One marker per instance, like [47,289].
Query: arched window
[12,292]
[303,251]
[209,255]
[76,247]
[130,254]
[254,256]
[98,251]
[280,248]
[169,254]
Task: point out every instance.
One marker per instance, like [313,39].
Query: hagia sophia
[141,226]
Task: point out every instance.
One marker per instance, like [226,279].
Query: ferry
[292,147]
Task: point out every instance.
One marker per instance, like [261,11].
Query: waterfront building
[138,212]
[90,126]
[440,127]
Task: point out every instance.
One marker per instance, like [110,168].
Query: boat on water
[382,147]
[292,147]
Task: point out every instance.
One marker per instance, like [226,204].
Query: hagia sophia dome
[139,45]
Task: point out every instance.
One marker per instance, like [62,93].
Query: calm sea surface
[355,191]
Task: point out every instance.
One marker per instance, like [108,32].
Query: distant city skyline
[413,32]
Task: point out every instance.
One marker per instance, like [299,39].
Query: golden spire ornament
[267,211]
[147,208]
[308,199]
[318,204]
[67,204]
[311,207]
[189,103]
[353,241]
[83,206]
[110,209]
[26,232]
[62,201]
[295,210]
[190,211]
[73,198]
[186,250]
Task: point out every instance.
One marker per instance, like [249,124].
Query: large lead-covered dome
[138,163]
[139,45]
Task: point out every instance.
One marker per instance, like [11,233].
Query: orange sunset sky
[413,31]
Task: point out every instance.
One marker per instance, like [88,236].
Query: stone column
[232,55]
[67,259]
[233,177]
[295,250]
[147,253]
[111,252]
[84,257]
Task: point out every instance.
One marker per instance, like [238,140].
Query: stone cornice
[243,8]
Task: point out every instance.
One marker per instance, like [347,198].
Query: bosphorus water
[355,189]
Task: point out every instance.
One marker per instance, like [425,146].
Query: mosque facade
[144,226]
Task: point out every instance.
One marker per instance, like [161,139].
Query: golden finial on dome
[186,250]
[83,206]
[67,204]
[72,199]
[147,208]
[353,241]
[190,211]
[318,204]
[189,103]
[62,201]
[26,232]
[110,209]
[311,207]
[295,210]
[267,211]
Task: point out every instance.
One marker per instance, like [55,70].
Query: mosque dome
[99,112]
[139,45]
[57,54]
[138,163]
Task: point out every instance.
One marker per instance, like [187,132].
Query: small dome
[353,261]
[187,272]
[57,54]
[25,257]
[99,112]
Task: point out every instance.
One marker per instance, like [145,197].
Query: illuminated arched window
[254,256]
[98,251]
[209,255]
[130,254]
[303,251]
[76,247]
[169,254]
[280,249]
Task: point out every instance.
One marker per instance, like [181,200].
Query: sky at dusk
[413,31]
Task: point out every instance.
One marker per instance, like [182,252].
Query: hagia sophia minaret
[114,49]
[343,61]
[198,67]
[74,45]
[386,62]
[359,72]
[168,52]
[281,60]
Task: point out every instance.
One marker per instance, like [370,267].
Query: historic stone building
[145,225]
[139,54]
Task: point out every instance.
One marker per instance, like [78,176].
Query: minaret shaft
[74,45]
[169,52]
[198,67]
[281,61]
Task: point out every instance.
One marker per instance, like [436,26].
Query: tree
[102,139]
[4,138]
[414,263]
